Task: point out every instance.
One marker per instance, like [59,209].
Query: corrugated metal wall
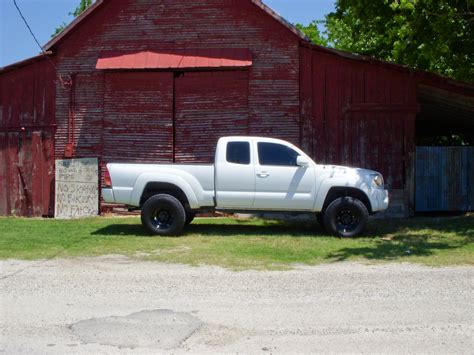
[88,98]
[138,117]
[263,102]
[27,140]
[360,114]
[357,114]
[444,179]
[209,105]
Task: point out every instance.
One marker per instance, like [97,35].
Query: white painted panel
[77,188]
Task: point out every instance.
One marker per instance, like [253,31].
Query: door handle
[263,175]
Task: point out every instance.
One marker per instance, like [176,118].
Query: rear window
[238,153]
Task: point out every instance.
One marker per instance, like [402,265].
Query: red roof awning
[182,59]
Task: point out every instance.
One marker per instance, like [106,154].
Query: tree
[433,35]
[83,5]
[313,33]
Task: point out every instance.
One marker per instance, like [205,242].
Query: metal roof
[422,75]
[178,59]
[25,62]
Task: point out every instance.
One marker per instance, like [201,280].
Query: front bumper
[380,200]
[108,195]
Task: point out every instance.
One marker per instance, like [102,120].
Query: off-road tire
[190,215]
[346,217]
[163,215]
[320,220]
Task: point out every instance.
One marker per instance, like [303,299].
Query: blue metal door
[444,179]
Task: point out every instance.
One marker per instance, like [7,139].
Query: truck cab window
[238,153]
[276,154]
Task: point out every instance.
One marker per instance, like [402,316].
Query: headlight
[377,180]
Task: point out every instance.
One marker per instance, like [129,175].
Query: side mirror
[303,162]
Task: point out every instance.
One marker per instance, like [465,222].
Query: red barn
[162,80]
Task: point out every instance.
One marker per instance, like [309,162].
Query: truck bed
[125,178]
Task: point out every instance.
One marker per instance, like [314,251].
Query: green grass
[242,244]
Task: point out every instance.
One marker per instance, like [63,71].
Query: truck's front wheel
[346,217]
[163,215]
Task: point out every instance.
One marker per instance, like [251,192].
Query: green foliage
[59,29]
[433,35]
[242,244]
[83,5]
[446,141]
[313,33]
[81,8]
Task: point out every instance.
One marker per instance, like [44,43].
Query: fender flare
[329,183]
[146,178]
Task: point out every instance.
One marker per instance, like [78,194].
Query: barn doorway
[173,106]
[208,106]
[161,117]
[444,175]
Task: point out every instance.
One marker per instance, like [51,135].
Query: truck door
[235,175]
[280,183]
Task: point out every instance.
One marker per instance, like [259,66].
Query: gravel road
[113,304]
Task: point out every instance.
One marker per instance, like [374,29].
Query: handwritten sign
[77,188]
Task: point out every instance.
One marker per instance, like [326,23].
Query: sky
[44,16]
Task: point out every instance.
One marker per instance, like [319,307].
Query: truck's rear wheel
[190,215]
[163,215]
[346,217]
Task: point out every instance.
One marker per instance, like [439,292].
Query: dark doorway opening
[444,177]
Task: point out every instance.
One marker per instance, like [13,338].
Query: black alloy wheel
[162,218]
[163,215]
[346,217]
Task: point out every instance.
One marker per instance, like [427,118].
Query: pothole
[162,329]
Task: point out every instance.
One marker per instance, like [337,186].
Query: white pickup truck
[251,175]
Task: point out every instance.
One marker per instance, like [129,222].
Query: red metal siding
[209,106]
[362,115]
[306,102]
[85,100]
[88,113]
[132,25]
[26,140]
[138,118]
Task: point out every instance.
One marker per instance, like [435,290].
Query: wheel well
[156,188]
[338,192]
